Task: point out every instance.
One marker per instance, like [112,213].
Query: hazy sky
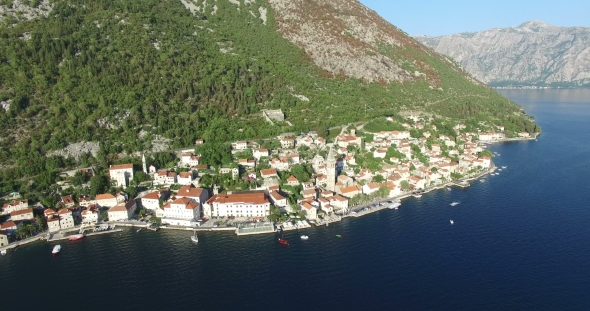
[437,17]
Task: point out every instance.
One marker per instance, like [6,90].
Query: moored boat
[56,249]
[454,203]
[76,237]
[417,195]
[194,238]
[304,237]
[283,241]
[3,252]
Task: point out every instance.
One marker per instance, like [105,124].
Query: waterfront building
[198,195]
[250,204]
[10,226]
[90,214]
[66,218]
[181,212]
[278,199]
[3,238]
[151,201]
[53,223]
[122,211]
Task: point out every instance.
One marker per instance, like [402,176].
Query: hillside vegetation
[124,73]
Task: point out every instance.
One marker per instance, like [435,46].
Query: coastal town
[288,182]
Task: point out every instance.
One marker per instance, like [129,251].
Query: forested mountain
[533,53]
[126,73]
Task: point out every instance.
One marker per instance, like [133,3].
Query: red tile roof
[120,167]
[246,198]
[22,212]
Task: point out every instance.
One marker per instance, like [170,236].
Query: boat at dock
[454,203]
[56,250]
[194,238]
[3,252]
[304,237]
[417,195]
[283,241]
[76,237]
[395,205]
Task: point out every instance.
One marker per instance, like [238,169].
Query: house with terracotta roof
[278,199]
[23,214]
[3,238]
[292,181]
[164,177]
[198,195]
[106,200]
[269,173]
[351,191]
[184,178]
[122,211]
[8,208]
[181,212]
[66,201]
[247,163]
[249,204]
[311,212]
[10,226]
[121,174]
[90,214]
[151,201]
[259,153]
[86,200]
[53,223]
[66,218]
[49,212]
[190,160]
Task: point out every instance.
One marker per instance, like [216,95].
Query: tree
[486,153]
[99,184]
[41,223]
[383,192]
[378,178]
[405,185]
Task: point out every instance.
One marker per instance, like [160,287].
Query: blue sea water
[520,241]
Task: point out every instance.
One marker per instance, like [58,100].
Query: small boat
[503,166]
[482,180]
[499,170]
[56,250]
[394,205]
[338,235]
[283,241]
[417,195]
[76,237]
[452,222]
[304,237]
[139,229]
[3,252]
[194,238]
[454,203]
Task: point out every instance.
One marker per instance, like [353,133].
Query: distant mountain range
[532,54]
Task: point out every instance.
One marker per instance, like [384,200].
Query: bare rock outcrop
[533,53]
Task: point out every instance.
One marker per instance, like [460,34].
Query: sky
[439,17]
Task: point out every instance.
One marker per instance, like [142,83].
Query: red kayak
[284,242]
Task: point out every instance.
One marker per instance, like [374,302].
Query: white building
[14,206]
[90,214]
[181,212]
[122,211]
[66,218]
[184,178]
[121,174]
[106,200]
[23,214]
[151,201]
[253,204]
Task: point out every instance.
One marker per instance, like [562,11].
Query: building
[3,238]
[278,199]
[86,200]
[53,223]
[66,201]
[198,195]
[292,181]
[151,201]
[23,214]
[10,226]
[311,212]
[181,212]
[122,211]
[14,206]
[184,178]
[121,174]
[90,214]
[106,200]
[331,170]
[251,204]
[66,218]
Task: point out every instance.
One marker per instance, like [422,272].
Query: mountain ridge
[532,54]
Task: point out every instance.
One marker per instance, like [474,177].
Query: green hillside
[153,66]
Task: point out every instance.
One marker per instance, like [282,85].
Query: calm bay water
[521,241]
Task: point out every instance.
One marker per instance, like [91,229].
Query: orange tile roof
[104,196]
[189,191]
[22,212]
[247,198]
[120,167]
[152,195]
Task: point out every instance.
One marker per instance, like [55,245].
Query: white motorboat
[452,222]
[503,166]
[454,203]
[56,249]
[304,237]
[194,238]
[417,195]
[3,252]
[482,180]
